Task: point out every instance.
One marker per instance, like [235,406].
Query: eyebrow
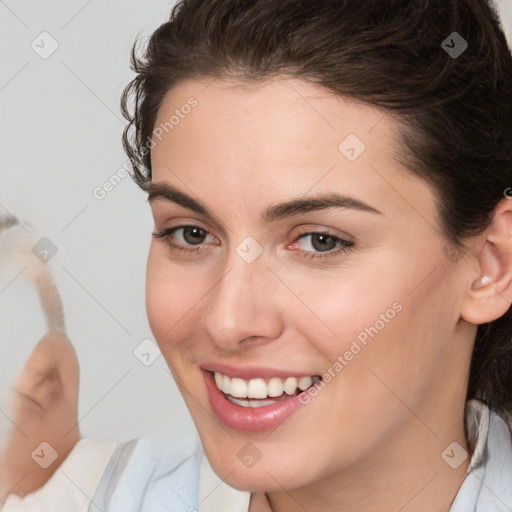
[272,213]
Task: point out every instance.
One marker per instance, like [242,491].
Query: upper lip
[251,372]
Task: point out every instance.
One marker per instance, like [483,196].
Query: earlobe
[490,288]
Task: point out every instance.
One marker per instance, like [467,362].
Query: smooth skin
[372,439]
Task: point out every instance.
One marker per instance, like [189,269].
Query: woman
[330,274]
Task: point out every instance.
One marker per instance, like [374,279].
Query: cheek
[334,308]
[170,298]
[391,319]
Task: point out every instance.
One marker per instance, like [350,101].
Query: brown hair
[455,110]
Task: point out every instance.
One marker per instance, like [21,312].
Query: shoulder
[496,491]
[488,484]
[151,475]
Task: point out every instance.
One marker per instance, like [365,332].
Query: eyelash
[344,245]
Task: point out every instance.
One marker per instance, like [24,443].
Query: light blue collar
[488,484]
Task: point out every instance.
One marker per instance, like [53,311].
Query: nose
[243,305]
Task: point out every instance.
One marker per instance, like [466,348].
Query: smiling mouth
[259,392]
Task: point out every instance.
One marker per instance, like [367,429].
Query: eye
[187,235]
[191,234]
[318,242]
[312,244]
[321,244]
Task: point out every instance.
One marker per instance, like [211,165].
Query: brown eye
[193,235]
[320,242]
[185,239]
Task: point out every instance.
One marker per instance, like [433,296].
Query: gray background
[61,138]
[60,135]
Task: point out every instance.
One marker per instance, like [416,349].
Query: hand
[45,396]
[44,409]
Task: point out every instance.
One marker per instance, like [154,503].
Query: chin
[269,474]
[261,481]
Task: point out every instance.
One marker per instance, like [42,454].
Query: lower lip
[248,419]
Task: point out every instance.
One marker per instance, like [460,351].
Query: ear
[489,293]
[45,409]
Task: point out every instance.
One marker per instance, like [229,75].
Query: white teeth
[238,388]
[290,385]
[226,384]
[251,403]
[259,388]
[275,387]
[305,383]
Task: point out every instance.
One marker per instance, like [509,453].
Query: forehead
[263,141]
[267,108]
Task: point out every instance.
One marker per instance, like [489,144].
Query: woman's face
[310,253]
